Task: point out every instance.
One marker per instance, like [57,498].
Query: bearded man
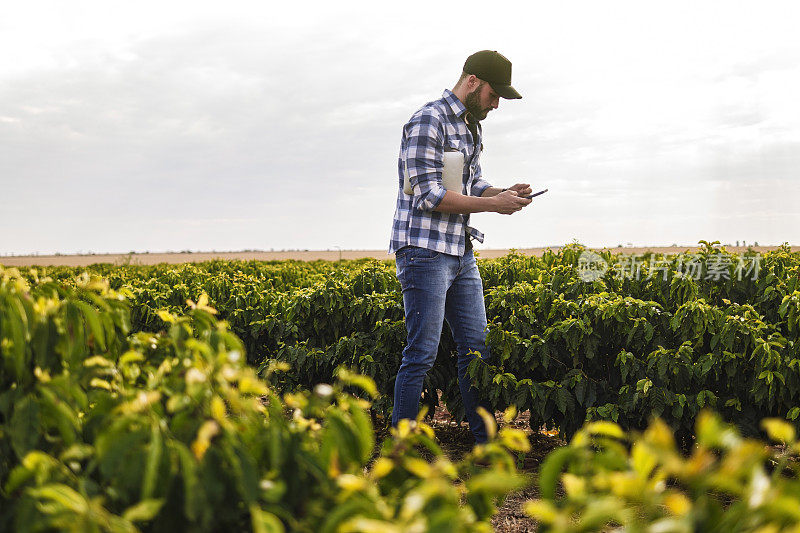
[431,236]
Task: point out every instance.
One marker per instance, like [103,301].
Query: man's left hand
[522,189]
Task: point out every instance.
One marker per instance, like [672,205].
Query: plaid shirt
[437,125]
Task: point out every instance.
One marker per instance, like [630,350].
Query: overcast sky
[252,125]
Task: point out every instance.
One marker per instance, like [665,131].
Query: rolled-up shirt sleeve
[423,157]
[479,185]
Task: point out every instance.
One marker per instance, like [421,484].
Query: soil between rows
[456,441]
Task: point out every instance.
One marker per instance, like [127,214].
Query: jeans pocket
[422,255]
[402,251]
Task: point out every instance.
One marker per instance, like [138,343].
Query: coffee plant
[607,480]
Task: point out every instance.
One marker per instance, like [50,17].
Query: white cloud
[262,125]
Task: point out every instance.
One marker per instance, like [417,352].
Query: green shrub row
[667,338]
[104,430]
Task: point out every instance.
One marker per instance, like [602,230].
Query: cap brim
[506,91]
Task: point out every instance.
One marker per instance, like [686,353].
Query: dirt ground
[305,255]
[456,441]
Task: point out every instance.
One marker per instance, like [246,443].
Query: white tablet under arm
[452,173]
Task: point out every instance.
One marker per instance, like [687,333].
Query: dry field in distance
[329,255]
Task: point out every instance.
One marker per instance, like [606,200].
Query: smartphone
[534,195]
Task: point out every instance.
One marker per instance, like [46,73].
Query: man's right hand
[508,203]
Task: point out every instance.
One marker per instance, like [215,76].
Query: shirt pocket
[453,145]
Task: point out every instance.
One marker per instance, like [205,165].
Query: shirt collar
[455,104]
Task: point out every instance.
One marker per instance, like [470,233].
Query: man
[431,236]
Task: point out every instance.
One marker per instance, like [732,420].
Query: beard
[472,103]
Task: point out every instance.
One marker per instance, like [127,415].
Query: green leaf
[365,383]
[561,400]
[496,482]
[580,390]
[194,500]
[342,436]
[778,430]
[18,477]
[365,432]
[15,316]
[92,319]
[153,461]
[551,470]
[60,412]
[144,511]
[603,427]
[77,452]
[643,385]
[643,459]
[25,426]
[63,495]
[264,522]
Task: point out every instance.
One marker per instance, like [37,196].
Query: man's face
[481,100]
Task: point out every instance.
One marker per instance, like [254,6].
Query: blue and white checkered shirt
[436,127]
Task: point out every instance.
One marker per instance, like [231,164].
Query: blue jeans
[438,287]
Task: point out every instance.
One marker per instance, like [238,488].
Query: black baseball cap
[493,68]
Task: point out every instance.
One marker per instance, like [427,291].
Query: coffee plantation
[124,406]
